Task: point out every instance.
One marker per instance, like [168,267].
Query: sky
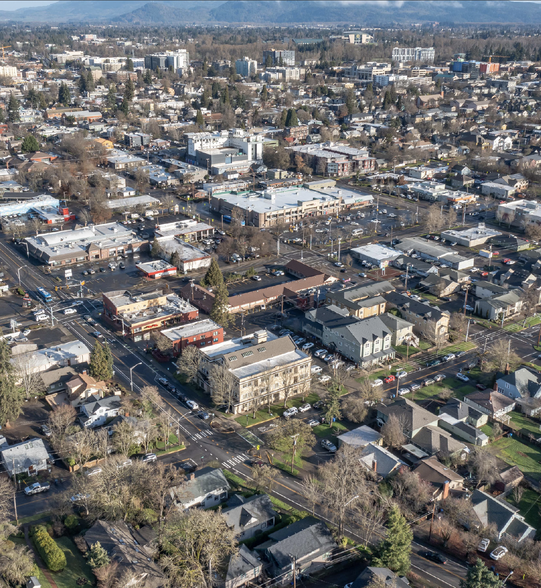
[16,4]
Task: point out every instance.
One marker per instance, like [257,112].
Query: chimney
[445,493]
[506,369]
[375,466]
[192,476]
[84,372]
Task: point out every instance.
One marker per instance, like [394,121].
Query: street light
[19,273]
[131,374]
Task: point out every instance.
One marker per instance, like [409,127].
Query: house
[491,511]
[307,542]
[379,577]
[490,402]
[244,567]
[130,549]
[56,380]
[360,437]
[443,479]
[499,307]
[401,330]
[436,441]
[428,321]
[412,416]
[97,410]
[28,457]
[484,289]
[33,582]
[83,387]
[462,420]
[206,488]
[351,298]
[380,460]
[440,285]
[509,479]
[464,412]
[250,517]
[523,383]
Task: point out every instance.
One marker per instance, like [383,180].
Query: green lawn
[403,349]
[325,432]
[529,507]
[426,392]
[520,453]
[516,327]
[456,347]
[284,464]
[521,421]
[276,409]
[76,568]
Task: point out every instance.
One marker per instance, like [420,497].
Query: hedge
[53,557]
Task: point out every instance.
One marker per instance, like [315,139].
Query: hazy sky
[15,4]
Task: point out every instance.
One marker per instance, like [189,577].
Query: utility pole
[432,521]
[339,241]
[466,300]
[294,437]
[467,331]
[407,276]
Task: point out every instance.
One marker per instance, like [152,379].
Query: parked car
[149,457]
[315,369]
[480,386]
[403,391]
[320,353]
[433,363]
[46,430]
[313,423]
[401,374]
[439,377]
[437,557]
[498,553]
[304,407]
[389,379]
[79,497]
[326,444]
[415,387]
[449,357]
[290,412]
[307,346]
[377,382]
[193,405]
[428,381]
[256,278]
[324,379]
[124,464]
[37,488]
[462,377]
[188,466]
[483,545]
[468,307]
[318,404]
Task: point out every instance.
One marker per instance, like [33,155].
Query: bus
[44,295]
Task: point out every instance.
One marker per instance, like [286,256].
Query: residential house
[490,402]
[261,365]
[83,387]
[523,386]
[484,289]
[130,549]
[351,298]
[28,457]
[97,410]
[360,437]
[364,342]
[491,511]
[250,517]
[205,488]
[499,307]
[463,421]
[244,567]
[401,330]
[379,577]
[434,440]
[412,416]
[464,412]
[307,542]
[444,480]
[428,321]
[56,380]
[440,286]
[380,460]
[414,266]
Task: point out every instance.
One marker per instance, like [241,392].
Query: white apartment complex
[424,54]
[251,145]
[246,67]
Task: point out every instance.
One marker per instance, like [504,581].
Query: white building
[251,145]
[246,67]
[8,71]
[424,54]
[28,457]
[376,254]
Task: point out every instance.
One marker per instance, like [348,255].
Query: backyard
[525,456]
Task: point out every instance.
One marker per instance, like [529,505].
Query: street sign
[13,324]
[68,273]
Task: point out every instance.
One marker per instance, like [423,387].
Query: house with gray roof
[401,329]
[380,460]
[415,266]
[244,567]
[490,402]
[412,416]
[522,383]
[504,305]
[308,542]
[350,298]
[380,576]
[97,410]
[464,412]
[508,522]
[250,517]
[205,488]
[360,437]
[28,457]
[436,441]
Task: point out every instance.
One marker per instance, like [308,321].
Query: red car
[484,274]
[389,379]
[506,260]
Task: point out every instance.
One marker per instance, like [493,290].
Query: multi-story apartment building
[279,57]
[138,313]
[336,160]
[177,60]
[200,145]
[368,71]
[263,368]
[424,54]
[246,67]
[200,333]
[358,37]
[284,74]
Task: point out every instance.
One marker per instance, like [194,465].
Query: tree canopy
[395,550]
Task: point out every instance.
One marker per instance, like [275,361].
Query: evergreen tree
[129,64]
[129,91]
[97,556]
[479,576]
[125,107]
[220,308]
[101,365]
[387,101]
[225,96]
[199,120]
[111,97]
[268,61]
[64,96]
[283,118]
[176,260]
[214,276]
[90,84]
[157,250]
[82,82]
[147,78]
[394,551]
[30,144]
[291,118]
[11,395]
[13,109]
[264,94]
[2,116]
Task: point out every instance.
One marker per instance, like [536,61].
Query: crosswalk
[238,459]
[202,435]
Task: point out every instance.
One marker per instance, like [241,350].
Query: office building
[424,54]
[279,57]
[246,67]
[358,37]
[176,60]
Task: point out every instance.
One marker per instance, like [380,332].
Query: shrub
[71,522]
[53,557]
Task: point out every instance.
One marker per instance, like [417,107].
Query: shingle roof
[490,400]
[435,440]
[205,481]
[526,381]
[412,416]
[243,562]
[251,512]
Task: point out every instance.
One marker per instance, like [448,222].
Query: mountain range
[268,12]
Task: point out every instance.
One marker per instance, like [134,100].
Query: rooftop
[191,329]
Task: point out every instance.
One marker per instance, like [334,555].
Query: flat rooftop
[132,201]
[154,266]
[186,251]
[191,329]
[376,251]
[184,227]
[234,345]
[473,233]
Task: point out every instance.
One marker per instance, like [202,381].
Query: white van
[357,232]
[41,317]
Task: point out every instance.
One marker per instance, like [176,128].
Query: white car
[401,374]
[462,377]
[320,353]
[313,423]
[307,346]
[70,311]
[403,391]
[498,553]
[377,382]
[468,307]
[315,369]
[449,357]
[26,332]
[290,412]
[324,379]
[483,545]
[191,404]
[305,407]
[94,472]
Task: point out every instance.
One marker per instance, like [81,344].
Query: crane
[4,47]
[491,56]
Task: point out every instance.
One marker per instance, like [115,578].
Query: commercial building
[8,71]
[189,230]
[157,269]
[137,313]
[237,139]
[283,74]
[336,159]
[435,252]
[279,57]
[85,244]
[376,254]
[471,237]
[358,37]
[132,202]
[176,60]
[35,205]
[200,333]
[263,369]
[246,67]
[424,54]
[361,301]
[188,257]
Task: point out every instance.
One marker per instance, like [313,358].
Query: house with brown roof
[83,387]
[444,480]
[490,402]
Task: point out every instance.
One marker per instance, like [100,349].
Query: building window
[233,358]
[247,353]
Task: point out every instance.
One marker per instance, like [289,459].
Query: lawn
[529,507]
[516,327]
[523,422]
[325,432]
[519,453]
[76,568]
[276,410]
[407,349]
[426,392]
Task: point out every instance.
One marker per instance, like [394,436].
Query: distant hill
[360,13]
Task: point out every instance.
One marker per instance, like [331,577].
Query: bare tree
[311,490]
[60,420]
[264,477]
[411,491]
[445,529]
[484,465]
[434,220]
[502,354]
[151,399]
[156,486]
[354,409]
[221,382]
[189,362]
[393,432]
[288,379]
[124,437]
[27,374]
[80,446]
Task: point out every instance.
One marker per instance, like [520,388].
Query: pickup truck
[36,488]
